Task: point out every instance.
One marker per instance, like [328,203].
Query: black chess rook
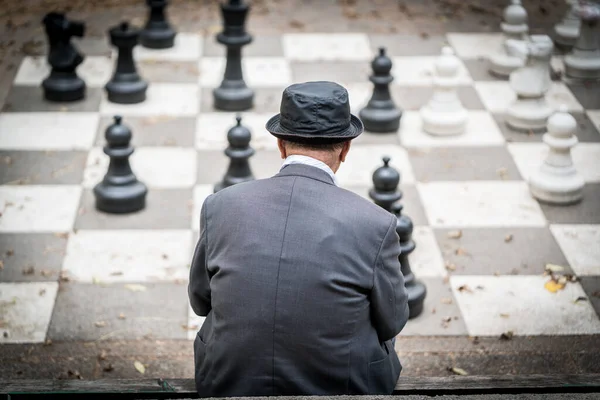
[381,114]
[157,33]
[63,84]
[119,192]
[238,151]
[233,94]
[126,86]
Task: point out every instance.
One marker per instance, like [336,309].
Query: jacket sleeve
[199,285]
[389,299]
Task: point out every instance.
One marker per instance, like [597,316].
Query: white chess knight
[530,111]
[583,63]
[514,27]
[557,181]
[444,114]
[566,31]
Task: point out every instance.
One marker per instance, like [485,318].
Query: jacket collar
[307,171]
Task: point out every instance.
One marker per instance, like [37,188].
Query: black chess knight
[233,94]
[126,86]
[239,151]
[119,192]
[63,84]
[158,33]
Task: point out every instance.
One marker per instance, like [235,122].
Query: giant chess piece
[119,192]
[63,84]
[566,31]
[385,194]
[557,181]
[416,289]
[158,33]
[239,151]
[381,114]
[530,111]
[514,27]
[126,86]
[583,63]
[444,114]
[233,94]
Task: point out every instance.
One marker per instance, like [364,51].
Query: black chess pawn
[239,151]
[63,84]
[233,94]
[381,114]
[126,86]
[119,192]
[158,33]
[416,289]
[385,186]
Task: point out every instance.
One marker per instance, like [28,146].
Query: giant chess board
[70,272]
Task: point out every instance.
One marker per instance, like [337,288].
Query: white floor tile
[364,159]
[105,256]
[47,131]
[188,47]
[201,192]
[194,323]
[530,156]
[480,204]
[498,95]
[469,45]
[94,70]
[258,71]
[38,208]
[157,167]
[481,130]
[527,308]
[359,94]
[419,71]
[25,311]
[212,128]
[426,261]
[327,47]
[175,99]
[581,246]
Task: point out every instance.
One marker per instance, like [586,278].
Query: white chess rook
[444,114]
[583,63]
[514,27]
[557,181]
[566,31]
[530,111]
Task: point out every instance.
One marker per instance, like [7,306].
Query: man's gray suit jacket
[301,287]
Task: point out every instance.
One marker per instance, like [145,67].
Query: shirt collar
[313,162]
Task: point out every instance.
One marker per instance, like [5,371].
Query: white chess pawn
[530,111]
[566,31]
[514,27]
[444,114]
[557,181]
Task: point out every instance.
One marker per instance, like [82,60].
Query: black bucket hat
[315,112]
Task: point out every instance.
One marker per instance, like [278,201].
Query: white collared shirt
[306,160]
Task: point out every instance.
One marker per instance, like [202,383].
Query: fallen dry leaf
[10,252]
[553,286]
[102,355]
[135,287]
[464,288]
[458,371]
[296,24]
[139,367]
[108,368]
[100,324]
[164,257]
[508,335]
[62,235]
[63,276]
[48,342]
[42,292]
[554,268]
[474,339]
[461,252]
[46,272]
[450,266]
[116,273]
[596,294]
[508,238]
[29,270]
[580,298]
[504,315]
[122,316]
[454,234]
[446,300]
[1,265]
[502,172]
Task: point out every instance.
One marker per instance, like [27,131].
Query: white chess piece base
[502,65]
[582,68]
[528,115]
[556,185]
[446,123]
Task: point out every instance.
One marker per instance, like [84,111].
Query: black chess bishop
[385,194]
[119,192]
[233,94]
[63,84]
[157,33]
[381,114]
[126,86]
[238,151]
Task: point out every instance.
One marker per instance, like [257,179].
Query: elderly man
[299,279]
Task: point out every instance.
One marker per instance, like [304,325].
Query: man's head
[332,154]
[315,121]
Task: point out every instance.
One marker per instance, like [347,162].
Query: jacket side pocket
[382,377]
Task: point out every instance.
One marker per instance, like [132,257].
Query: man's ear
[345,151]
[282,150]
